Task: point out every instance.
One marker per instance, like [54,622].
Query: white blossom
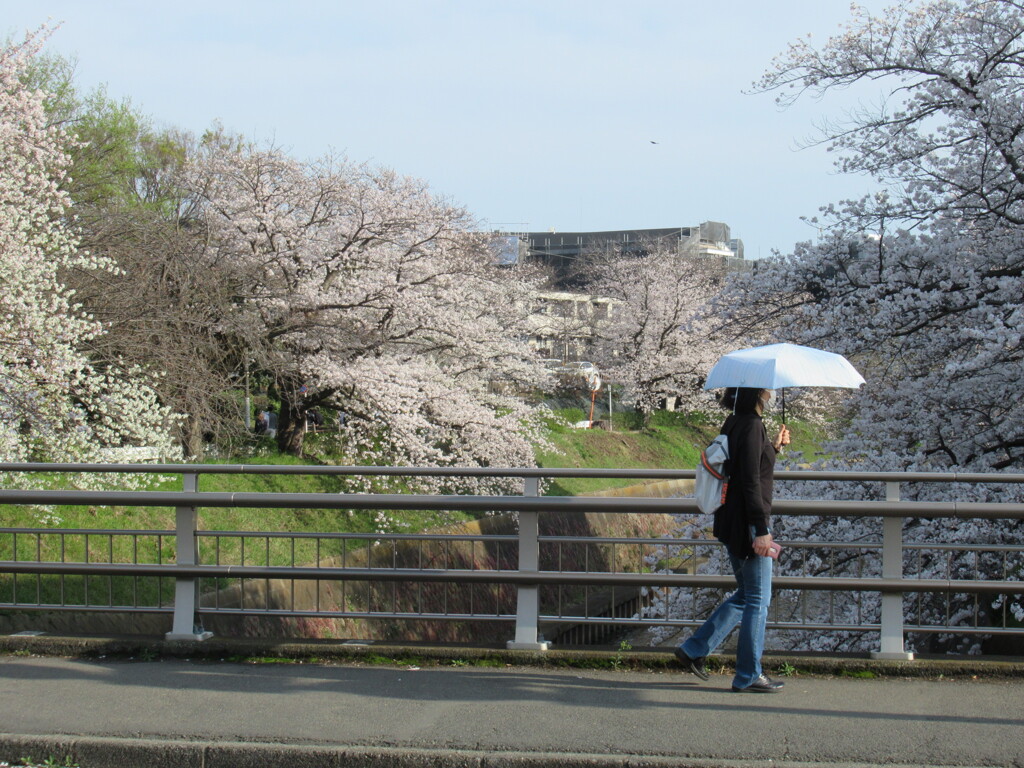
[659,342]
[921,285]
[55,403]
[359,290]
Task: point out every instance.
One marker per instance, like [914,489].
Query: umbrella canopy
[776,366]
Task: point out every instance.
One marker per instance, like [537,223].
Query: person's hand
[763,545]
[782,439]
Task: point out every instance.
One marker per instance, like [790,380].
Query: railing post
[528,595]
[891,646]
[187,624]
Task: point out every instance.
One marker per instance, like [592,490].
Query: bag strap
[710,470]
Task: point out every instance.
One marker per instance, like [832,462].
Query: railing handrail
[495,537]
[526,576]
[508,576]
[473,503]
[523,472]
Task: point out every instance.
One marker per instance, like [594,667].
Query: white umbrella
[777,366]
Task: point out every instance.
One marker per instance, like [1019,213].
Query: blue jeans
[748,607]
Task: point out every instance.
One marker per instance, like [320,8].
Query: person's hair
[741,399]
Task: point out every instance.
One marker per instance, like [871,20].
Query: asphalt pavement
[179,712]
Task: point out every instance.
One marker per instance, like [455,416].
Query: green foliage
[377,660]
[49,762]
[561,421]
[489,662]
[806,439]
[119,159]
[617,659]
[860,674]
[55,75]
[671,440]
[106,158]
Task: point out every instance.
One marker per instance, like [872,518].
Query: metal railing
[526,578]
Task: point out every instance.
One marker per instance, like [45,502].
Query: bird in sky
[653,142]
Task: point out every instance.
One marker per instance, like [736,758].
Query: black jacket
[748,498]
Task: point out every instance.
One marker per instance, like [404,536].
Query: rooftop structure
[567,253]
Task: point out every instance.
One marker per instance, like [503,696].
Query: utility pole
[611,421]
[248,398]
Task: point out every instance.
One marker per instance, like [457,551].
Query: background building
[565,318]
[567,253]
[563,324]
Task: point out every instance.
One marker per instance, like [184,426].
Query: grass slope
[670,441]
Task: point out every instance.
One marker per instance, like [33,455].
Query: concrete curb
[110,752]
[260,650]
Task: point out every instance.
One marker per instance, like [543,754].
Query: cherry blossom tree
[55,403]
[659,342]
[157,309]
[921,284]
[931,303]
[359,291]
[161,311]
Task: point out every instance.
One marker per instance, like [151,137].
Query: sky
[535,115]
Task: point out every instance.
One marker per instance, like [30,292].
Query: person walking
[743,525]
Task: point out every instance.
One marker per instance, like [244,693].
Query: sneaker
[694,665]
[763,684]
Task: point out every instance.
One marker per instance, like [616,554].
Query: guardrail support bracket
[891,641]
[186,624]
[528,595]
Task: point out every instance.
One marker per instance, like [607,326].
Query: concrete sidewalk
[210,714]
